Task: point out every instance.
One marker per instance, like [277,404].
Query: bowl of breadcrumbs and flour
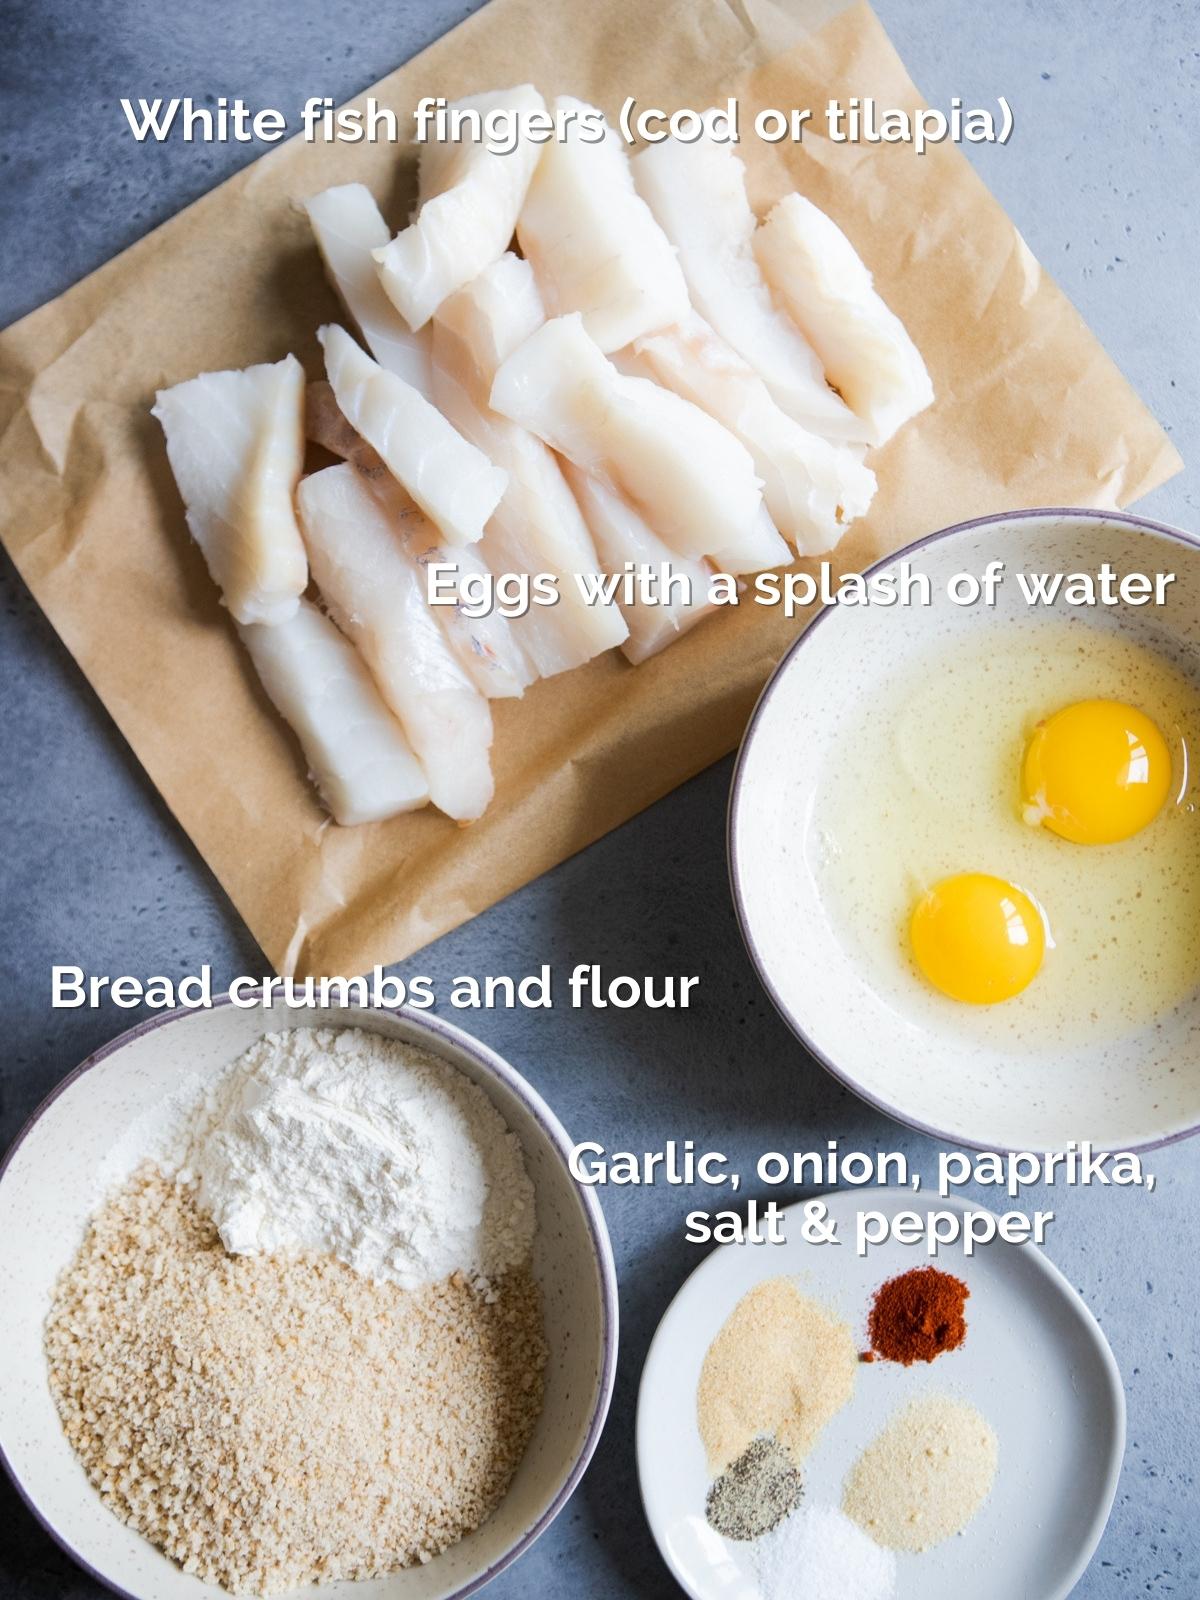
[329,1309]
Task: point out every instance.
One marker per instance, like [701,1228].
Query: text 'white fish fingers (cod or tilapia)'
[470,198]
[690,478]
[359,759]
[235,441]
[376,595]
[698,193]
[537,527]
[348,226]
[827,290]
[813,488]
[592,241]
[625,543]
[455,484]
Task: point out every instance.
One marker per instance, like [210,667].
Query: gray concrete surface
[1101,177]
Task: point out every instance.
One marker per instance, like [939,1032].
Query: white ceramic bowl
[48,1190]
[1135,1092]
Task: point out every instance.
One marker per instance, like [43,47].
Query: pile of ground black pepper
[917,1316]
[755,1492]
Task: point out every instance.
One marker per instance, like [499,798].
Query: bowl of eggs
[964,834]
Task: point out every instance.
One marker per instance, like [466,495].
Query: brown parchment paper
[1030,411]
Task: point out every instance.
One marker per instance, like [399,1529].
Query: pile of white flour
[343,1142]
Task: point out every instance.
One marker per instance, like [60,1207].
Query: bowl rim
[1163,530]
[494,1064]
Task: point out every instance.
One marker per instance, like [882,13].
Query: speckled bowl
[1137,1091]
[48,1188]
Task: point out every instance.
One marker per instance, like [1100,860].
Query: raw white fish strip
[485,645]
[455,484]
[760,547]
[593,243]
[470,199]
[698,193]
[358,757]
[828,292]
[688,476]
[348,226]
[235,441]
[621,537]
[375,593]
[813,489]
[496,312]
[537,527]
[326,425]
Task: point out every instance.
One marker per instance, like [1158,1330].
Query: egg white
[927,783]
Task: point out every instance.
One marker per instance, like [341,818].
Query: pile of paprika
[917,1316]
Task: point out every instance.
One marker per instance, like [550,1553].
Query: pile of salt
[819,1554]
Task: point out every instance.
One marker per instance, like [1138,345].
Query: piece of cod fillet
[347,226]
[622,539]
[485,645]
[537,527]
[375,593]
[235,441]
[813,489]
[698,193]
[469,200]
[817,275]
[455,484]
[690,478]
[361,763]
[592,241]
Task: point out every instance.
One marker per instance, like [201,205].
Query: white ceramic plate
[48,1190]
[1133,1092]
[1034,1362]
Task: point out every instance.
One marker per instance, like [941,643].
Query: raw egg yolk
[978,938]
[1096,772]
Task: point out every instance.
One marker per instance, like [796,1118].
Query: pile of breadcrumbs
[270,1422]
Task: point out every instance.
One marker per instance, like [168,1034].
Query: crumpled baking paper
[1030,412]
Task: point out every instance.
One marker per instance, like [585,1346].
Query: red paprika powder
[918,1316]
